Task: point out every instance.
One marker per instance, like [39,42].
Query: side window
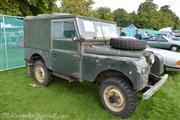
[69,30]
[151,39]
[63,29]
[57,30]
[161,39]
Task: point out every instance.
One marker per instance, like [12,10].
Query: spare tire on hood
[127,44]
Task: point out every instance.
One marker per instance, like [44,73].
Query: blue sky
[132,5]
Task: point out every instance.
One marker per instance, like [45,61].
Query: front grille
[158,66]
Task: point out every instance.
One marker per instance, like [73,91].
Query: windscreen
[90,29]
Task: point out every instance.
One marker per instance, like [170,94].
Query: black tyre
[117,96]
[127,44]
[42,75]
[174,48]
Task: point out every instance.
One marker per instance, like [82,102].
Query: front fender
[92,65]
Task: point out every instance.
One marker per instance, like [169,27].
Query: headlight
[152,59]
[178,63]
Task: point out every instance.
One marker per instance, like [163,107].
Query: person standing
[138,34]
[122,33]
[146,34]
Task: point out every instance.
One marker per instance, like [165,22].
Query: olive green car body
[84,60]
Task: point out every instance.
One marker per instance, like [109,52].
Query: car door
[162,42]
[151,41]
[64,53]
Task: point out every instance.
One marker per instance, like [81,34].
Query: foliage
[27,7]
[147,6]
[148,16]
[104,13]
[77,7]
[10,7]
[121,17]
[172,16]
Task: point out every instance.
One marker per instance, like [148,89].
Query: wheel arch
[174,45]
[39,56]
[31,59]
[107,73]
[36,56]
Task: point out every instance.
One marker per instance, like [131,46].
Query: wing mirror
[80,39]
[75,38]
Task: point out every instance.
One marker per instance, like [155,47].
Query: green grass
[78,100]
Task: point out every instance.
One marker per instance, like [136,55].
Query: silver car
[163,42]
[172,59]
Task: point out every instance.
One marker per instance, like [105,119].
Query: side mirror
[75,38]
[80,39]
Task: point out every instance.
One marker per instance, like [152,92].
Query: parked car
[171,58]
[176,33]
[163,42]
[171,36]
[77,48]
[176,38]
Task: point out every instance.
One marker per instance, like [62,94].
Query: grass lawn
[75,100]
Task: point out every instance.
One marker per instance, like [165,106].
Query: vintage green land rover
[86,49]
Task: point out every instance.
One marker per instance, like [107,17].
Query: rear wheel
[174,48]
[117,96]
[42,75]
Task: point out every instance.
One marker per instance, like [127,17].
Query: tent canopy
[132,26]
[167,29]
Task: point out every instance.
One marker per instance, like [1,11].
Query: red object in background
[118,18]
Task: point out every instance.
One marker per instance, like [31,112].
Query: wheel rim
[40,74]
[114,98]
[174,48]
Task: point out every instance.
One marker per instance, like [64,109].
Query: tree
[77,7]
[147,15]
[27,7]
[104,13]
[177,23]
[132,18]
[166,10]
[121,17]
[147,6]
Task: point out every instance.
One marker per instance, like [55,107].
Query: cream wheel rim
[114,98]
[40,74]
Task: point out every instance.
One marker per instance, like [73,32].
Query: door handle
[76,56]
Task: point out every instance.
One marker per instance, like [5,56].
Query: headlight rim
[152,58]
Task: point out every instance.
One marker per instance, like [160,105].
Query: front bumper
[169,68]
[153,89]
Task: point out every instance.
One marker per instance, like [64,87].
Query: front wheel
[42,75]
[174,48]
[117,96]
